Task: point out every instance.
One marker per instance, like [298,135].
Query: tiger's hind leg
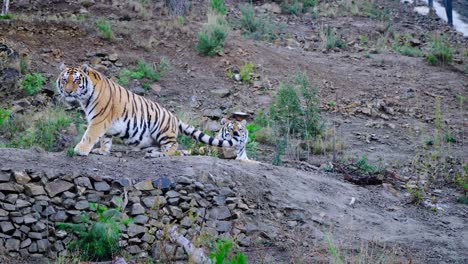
[106,144]
[166,150]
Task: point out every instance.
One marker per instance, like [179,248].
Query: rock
[141,219]
[48,211]
[237,77]
[219,200]
[213,126]
[57,187]
[223,226]
[3,213]
[124,182]
[225,191]
[219,213]
[7,227]
[173,201]
[5,176]
[83,204]
[39,226]
[134,249]
[213,113]
[271,7]
[12,244]
[138,90]
[176,212]
[84,182]
[145,185]
[163,184]
[25,243]
[33,248]
[135,230]
[156,88]
[11,187]
[21,177]
[113,57]
[153,202]
[102,186]
[22,203]
[186,222]
[184,180]
[172,194]
[60,216]
[137,209]
[33,189]
[29,219]
[227,153]
[42,245]
[35,235]
[221,92]
[415,42]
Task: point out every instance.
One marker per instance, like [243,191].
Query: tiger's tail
[198,135]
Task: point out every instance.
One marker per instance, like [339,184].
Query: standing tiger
[112,110]
[234,128]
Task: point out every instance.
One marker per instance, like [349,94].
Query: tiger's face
[74,83]
[230,126]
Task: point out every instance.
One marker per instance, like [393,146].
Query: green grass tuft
[104,29]
[32,83]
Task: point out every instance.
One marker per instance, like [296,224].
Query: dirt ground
[319,202]
[356,80]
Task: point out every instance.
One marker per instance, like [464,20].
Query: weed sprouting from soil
[330,38]
[32,83]
[104,29]
[440,51]
[218,6]
[99,237]
[212,36]
[257,27]
[144,71]
[246,72]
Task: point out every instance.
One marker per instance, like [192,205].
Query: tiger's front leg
[91,136]
[106,143]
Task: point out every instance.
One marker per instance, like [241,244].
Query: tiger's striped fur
[228,131]
[112,110]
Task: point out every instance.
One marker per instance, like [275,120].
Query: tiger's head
[230,126]
[73,83]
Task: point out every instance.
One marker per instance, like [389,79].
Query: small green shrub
[416,196]
[6,16]
[330,38]
[365,167]
[440,52]
[71,152]
[99,238]
[293,8]
[32,83]
[246,72]
[256,27]
[4,115]
[212,36]
[41,130]
[218,6]
[144,70]
[408,51]
[223,254]
[104,29]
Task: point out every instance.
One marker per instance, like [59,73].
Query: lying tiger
[112,110]
[229,130]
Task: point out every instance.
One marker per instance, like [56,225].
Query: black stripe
[220,143]
[200,137]
[143,131]
[211,140]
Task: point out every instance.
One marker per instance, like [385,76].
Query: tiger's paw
[81,150]
[154,154]
[100,152]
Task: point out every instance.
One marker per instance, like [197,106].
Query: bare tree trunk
[177,7]
[5,7]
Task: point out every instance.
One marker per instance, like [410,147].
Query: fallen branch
[196,255]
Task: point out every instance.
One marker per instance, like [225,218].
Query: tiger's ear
[62,66]
[224,121]
[85,68]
